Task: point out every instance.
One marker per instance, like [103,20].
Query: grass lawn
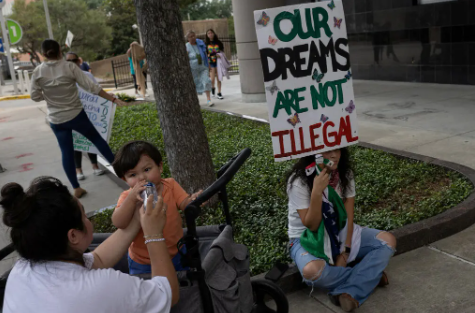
[391,192]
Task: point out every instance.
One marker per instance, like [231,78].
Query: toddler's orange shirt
[173,195]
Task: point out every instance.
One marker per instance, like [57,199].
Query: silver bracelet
[154,240]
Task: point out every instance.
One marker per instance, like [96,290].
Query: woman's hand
[342,259]
[119,102]
[321,181]
[153,219]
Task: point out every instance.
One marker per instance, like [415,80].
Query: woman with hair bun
[55,82]
[50,231]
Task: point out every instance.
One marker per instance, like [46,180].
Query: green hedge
[391,192]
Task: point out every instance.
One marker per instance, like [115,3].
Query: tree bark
[186,144]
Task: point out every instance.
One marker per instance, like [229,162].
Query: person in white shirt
[51,232]
[74,58]
[323,238]
[55,81]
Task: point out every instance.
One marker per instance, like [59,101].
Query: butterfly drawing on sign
[331,5]
[264,20]
[294,120]
[316,76]
[323,118]
[273,88]
[337,22]
[272,40]
[348,76]
[351,107]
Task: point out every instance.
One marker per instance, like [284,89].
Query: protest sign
[101,114]
[309,88]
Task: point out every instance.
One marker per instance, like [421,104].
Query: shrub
[125,97]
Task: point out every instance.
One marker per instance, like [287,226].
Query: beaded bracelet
[154,240]
[152,236]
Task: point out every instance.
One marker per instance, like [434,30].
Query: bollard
[20,80]
[27,81]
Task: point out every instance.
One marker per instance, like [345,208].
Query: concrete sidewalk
[28,149]
[428,119]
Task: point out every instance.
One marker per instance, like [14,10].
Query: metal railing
[121,71]
[123,77]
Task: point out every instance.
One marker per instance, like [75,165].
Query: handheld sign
[309,89]
[101,114]
[69,39]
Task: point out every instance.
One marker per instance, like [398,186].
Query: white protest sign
[69,39]
[309,88]
[101,114]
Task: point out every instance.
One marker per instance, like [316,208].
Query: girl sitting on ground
[321,211]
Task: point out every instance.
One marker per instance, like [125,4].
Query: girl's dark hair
[215,40]
[344,170]
[41,218]
[129,156]
[50,49]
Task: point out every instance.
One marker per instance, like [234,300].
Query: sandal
[384,280]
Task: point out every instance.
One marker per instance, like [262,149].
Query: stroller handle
[225,174]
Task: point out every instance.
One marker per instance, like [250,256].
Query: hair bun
[11,195]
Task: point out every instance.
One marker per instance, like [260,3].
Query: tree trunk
[186,144]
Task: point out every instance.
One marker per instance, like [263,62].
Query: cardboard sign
[101,114]
[309,88]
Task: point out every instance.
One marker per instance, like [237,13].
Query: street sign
[2,50]
[69,39]
[15,31]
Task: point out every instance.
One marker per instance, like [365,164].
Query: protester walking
[84,66]
[138,68]
[214,46]
[197,53]
[55,81]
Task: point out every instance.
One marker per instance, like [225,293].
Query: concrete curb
[16,97]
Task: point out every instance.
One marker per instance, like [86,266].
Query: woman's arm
[153,221]
[87,84]
[350,212]
[36,91]
[108,253]
[123,215]
[312,217]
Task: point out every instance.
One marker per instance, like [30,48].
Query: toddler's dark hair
[129,156]
[41,218]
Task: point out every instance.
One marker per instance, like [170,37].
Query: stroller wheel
[268,297]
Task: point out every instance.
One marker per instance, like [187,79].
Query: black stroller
[218,279]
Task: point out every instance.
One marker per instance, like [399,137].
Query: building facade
[412,40]
[431,41]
